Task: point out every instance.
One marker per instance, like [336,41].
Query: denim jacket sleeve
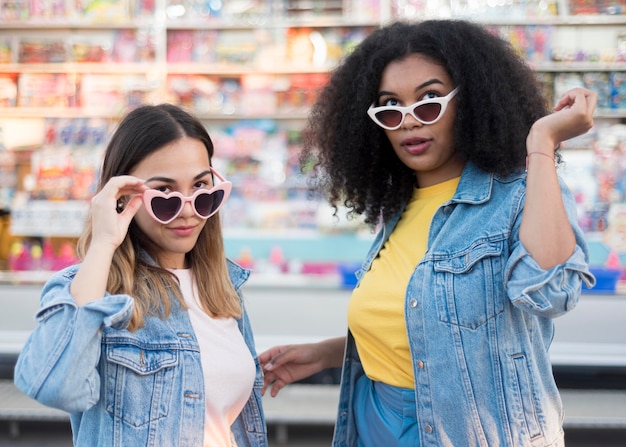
[549,293]
[58,363]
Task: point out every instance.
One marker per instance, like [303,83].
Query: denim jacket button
[413,303]
[420,364]
[428,428]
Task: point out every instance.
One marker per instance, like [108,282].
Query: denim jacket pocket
[525,394]
[134,372]
[466,284]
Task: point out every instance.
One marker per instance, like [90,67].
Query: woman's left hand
[572,116]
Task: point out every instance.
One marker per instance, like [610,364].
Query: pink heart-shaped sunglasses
[165,207]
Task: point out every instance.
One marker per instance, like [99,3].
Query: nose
[409,121]
[187,210]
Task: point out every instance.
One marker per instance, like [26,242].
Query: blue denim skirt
[385,415]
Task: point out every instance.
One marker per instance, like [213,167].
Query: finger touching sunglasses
[165,207]
[428,111]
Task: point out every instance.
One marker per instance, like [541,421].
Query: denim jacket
[83,360]
[478,312]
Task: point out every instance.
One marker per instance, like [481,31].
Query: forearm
[90,281]
[333,351]
[545,229]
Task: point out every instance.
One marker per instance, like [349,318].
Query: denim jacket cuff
[116,310]
[546,292]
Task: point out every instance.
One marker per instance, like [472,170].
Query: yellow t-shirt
[376,309]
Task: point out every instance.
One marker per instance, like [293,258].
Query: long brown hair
[143,131]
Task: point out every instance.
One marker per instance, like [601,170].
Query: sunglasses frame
[224,185]
[442,101]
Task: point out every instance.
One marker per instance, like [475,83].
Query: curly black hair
[352,160]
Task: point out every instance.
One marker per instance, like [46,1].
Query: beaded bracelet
[538,153]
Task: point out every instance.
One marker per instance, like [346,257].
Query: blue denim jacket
[478,312]
[83,360]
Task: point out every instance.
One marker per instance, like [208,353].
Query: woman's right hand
[108,226]
[108,230]
[283,365]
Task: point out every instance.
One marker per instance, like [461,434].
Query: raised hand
[572,116]
[109,226]
[113,208]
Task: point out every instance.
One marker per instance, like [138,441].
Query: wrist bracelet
[538,153]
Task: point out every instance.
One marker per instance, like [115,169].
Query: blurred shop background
[251,69]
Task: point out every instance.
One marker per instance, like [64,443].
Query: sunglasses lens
[165,208]
[207,204]
[428,112]
[390,118]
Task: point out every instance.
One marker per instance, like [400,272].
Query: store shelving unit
[264,36]
[161,28]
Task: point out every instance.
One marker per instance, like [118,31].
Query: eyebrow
[170,180]
[430,82]
[419,87]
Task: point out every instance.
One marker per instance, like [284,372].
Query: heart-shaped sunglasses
[165,207]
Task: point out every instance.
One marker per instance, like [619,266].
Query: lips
[416,145]
[183,230]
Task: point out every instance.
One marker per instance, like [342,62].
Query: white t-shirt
[227,366]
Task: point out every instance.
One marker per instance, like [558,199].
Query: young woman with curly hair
[439,132]
[147,342]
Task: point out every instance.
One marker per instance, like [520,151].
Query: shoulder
[237,274]
[478,186]
[512,182]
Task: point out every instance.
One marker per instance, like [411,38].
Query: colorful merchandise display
[251,71]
